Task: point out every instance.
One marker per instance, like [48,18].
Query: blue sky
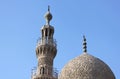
[20,23]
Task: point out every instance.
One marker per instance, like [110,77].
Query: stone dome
[86,66]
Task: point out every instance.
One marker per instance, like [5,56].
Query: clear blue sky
[21,20]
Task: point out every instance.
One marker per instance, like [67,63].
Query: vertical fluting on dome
[46,51]
[84,45]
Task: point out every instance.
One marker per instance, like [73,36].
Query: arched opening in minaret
[42,70]
[46,32]
[37,51]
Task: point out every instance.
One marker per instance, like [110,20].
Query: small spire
[48,8]
[84,45]
[48,16]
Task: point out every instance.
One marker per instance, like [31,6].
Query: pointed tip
[84,44]
[48,16]
[48,7]
[84,38]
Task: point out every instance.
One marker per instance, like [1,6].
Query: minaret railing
[43,41]
[53,76]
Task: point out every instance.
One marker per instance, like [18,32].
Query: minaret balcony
[34,74]
[51,42]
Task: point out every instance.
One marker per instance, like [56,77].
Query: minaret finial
[84,45]
[48,16]
[48,8]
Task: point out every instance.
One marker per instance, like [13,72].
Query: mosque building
[84,66]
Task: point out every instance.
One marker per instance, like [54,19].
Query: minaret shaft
[46,51]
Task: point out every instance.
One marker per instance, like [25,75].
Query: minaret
[46,51]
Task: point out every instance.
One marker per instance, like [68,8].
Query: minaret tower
[46,51]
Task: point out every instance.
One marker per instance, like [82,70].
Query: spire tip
[48,7]
[84,44]
[48,16]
